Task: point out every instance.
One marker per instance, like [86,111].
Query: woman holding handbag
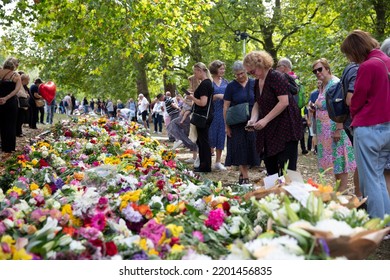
[241,147]
[203,115]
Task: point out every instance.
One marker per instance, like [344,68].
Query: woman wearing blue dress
[217,133]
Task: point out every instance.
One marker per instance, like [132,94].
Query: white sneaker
[189,160]
[197,162]
[177,144]
[219,166]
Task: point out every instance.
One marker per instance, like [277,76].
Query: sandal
[240,178]
[245,181]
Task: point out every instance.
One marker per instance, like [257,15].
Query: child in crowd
[186,109]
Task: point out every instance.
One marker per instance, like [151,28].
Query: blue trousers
[372,148]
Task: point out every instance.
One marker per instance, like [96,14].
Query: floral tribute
[99,189]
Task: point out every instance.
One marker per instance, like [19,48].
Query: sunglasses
[318,70]
[252,72]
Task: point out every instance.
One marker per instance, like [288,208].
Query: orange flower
[311,182]
[78,176]
[69,230]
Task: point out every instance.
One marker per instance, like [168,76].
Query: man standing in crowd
[143,105]
[285,66]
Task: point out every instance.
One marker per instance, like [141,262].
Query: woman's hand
[337,135]
[228,131]
[3,100]
[260,124]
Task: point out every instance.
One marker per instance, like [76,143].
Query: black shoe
[202,170]
[305,152]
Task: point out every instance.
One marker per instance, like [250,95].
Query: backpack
[297,90]
[336,106]
[301,94]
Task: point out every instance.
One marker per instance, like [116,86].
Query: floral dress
[337,155]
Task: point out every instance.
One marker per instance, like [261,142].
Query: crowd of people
[274,127]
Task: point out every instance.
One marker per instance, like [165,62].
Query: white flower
[89,146]
[154,200]
[49,229]
[65,240]
[45,154]
[281,248]
[193,256]
[8,223]
[84,201]
[2,196]
[337,228]
[76,246]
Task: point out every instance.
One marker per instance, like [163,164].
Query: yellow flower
[21,255]
[124,204]
[67,209]
[34,162]
[143,244]
[171,208]
[177,248]
[152,252]
[34,187]
[133,196]
[175,230]
[15,189]
[207,199]
[8,239]
[46,190]
[148,162]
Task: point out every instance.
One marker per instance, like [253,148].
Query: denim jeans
[372,148]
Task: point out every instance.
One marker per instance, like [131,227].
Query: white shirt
[143,104]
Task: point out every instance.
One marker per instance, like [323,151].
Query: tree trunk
[142,81]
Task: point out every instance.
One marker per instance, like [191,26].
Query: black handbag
[201,120]
[23,103]
[238,113]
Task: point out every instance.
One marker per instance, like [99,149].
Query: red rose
[111,249]
[160,184]
[43,163]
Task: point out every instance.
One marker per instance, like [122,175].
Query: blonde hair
[259,59]
[324,62]
[203,67]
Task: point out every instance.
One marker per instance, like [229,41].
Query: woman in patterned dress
[275,116]
[334,149]
[217,133]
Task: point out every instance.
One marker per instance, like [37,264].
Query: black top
[204,89]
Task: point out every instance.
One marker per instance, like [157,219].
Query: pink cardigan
[370,103]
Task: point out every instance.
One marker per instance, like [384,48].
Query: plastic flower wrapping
[99,189]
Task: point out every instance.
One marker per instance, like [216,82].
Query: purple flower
[89,233]
[140,256]
[198,235]
[131,215]
[59,183]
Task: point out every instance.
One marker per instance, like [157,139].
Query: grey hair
[238,66]
[386,46]
[285,62]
